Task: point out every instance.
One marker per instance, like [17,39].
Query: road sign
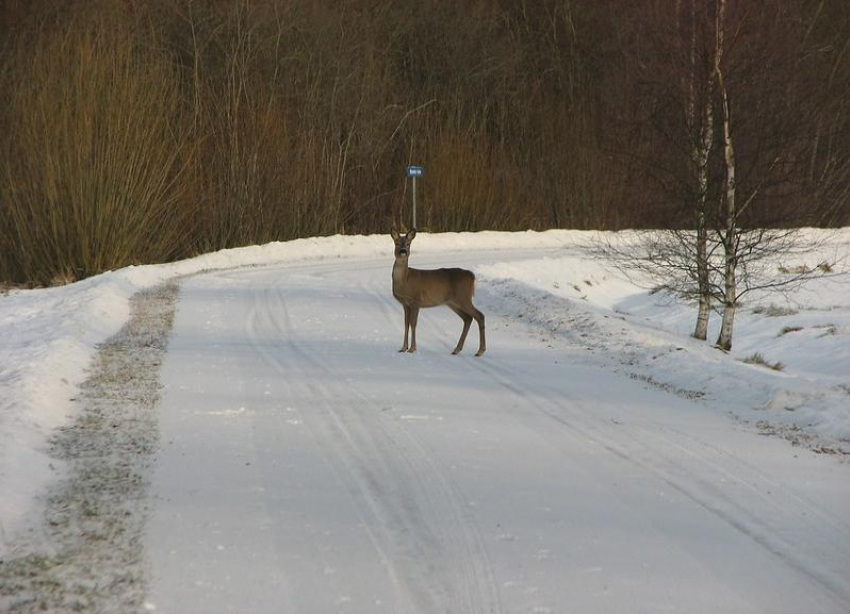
[413,172]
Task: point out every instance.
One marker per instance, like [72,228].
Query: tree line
[150,130]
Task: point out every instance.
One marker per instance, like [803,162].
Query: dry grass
[757,359]
[91,179]
[774,311]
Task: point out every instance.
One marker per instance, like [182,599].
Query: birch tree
[747,123]
[675,75]
[700,154]
[728,233]
[780,114]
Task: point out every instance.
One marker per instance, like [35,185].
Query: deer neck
[400,272]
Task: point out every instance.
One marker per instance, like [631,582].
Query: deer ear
[394,234]
[411,234]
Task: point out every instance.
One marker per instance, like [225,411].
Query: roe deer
[415,288]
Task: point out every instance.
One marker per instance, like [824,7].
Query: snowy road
[309,468]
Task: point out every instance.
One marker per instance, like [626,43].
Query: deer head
[402,242]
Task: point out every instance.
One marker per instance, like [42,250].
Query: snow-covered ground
[799,383]
[595,457]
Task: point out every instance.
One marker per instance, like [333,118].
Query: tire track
[413,511]
[702,477]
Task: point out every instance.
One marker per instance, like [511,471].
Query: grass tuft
[774,311]
[757,359]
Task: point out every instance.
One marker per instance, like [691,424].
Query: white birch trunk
[724,340]
[729,233]
[704,310]
[699,156]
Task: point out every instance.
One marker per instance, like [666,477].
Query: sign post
[413,172]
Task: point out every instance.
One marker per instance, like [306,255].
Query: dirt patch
[798,437]
[670,388]
[87,556]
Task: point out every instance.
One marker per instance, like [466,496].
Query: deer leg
[467,320]
[414,317]
[406,326]
[470,309]
[479,317]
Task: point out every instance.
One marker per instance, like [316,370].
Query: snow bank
[804,333]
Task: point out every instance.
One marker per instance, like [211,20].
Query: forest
[144,131]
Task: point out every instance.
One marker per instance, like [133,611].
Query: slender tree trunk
[701,329]
[724,340]
[703,282]
[699,157]
[729,236]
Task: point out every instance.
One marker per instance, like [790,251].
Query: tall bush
[92,154]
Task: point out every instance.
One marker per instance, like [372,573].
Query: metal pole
[414,202]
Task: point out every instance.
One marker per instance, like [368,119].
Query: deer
[417,288]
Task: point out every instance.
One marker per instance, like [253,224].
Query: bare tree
[728,234]
[673,69]
[700,154]
[747,166]
[756,64]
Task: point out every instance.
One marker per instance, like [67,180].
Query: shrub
[89,179]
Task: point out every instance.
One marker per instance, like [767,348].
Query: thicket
[146,131]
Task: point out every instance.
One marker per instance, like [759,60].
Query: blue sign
[415,171]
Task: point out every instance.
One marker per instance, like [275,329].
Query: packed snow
[320,309]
